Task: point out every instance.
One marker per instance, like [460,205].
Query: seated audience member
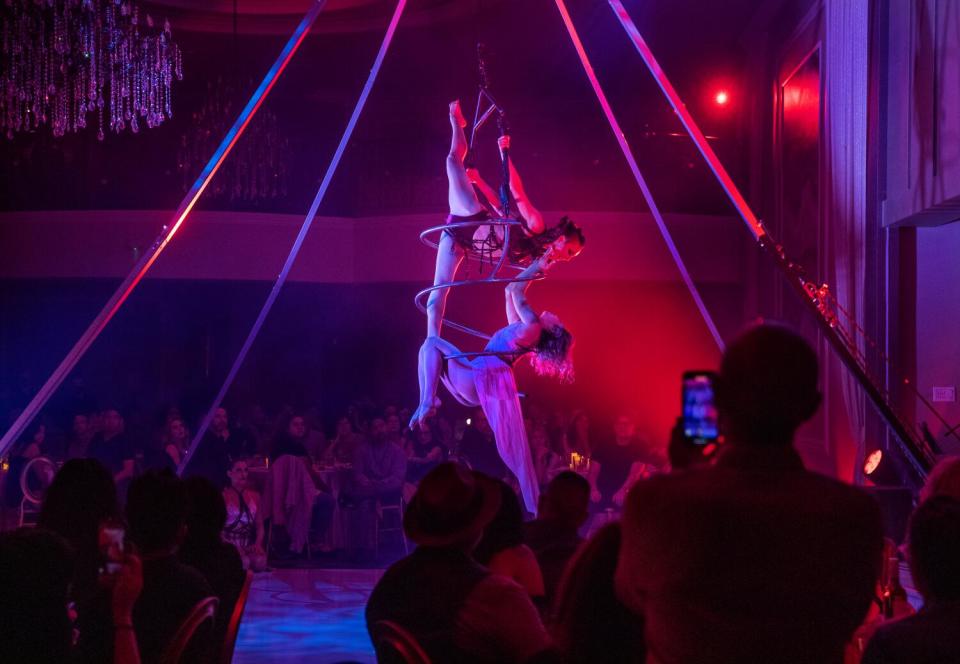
[36,568]
[176,441]
[314,440]
[621,462]
[943,480]
[157,507]
[244,526]
[297,439]
[423,454]
[553,536]
[204,548]
[296,501]
[344,443]
[480,449]
[752,559]
[81,434]
[502,549]
[81,497]
[590,624]
[547,463]
[455,608]
[932,635]
[212,457]
[576,437]
[113,449]
[379,469]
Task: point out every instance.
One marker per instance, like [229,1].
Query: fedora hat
[451,503]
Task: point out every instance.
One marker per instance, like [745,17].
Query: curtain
[845,90]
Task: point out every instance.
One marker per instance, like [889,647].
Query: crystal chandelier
[61,60]
[257,168]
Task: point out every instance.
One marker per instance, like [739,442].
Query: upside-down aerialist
[487,380]
[559,243]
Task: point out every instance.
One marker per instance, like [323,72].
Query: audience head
[378,430]
[219,422]
[344,428]
[81,495]
[624,428]
[590,622]
[767,385]
[207,513]
[934,546]
[392,424]
[566,500]
[81,425]
[36,567]
[157,512]
[297,427]
[451,507]
[177,433]
[112,422]
[424,435]
[943,480]
[505,531]
[238,473]
[539,438]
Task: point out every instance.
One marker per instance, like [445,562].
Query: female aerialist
[559,243]
[487,380]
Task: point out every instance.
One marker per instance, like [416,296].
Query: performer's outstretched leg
[459,378]
[463,203]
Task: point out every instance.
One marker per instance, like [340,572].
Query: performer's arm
[517,294]
[524,206]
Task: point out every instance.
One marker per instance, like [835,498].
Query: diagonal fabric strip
[698,138]
[635,169]
[301,236]
[166,235]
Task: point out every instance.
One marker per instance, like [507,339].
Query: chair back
[201,613]
[35,478]
[233,627]
[395,645]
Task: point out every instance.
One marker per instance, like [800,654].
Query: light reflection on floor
[307,615]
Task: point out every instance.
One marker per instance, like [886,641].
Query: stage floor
[307,615]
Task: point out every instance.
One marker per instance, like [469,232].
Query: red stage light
[721,98]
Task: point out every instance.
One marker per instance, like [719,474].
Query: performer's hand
[473,175]
[504,142]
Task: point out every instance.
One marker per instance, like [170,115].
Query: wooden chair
[233,628]
[203,612]
[395,645]
[383,511]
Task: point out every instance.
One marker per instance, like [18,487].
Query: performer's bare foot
[457,114]
[423,413]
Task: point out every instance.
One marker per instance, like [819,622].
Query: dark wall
[328,344]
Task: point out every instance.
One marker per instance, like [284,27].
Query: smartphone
[111,541]
[699,410]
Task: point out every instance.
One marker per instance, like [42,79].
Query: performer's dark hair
[553,354]
[565,228]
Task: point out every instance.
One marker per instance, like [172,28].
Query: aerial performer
[559,243]
[486,379]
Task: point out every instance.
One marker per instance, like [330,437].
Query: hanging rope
[166,235]
[635,169]
[301,236]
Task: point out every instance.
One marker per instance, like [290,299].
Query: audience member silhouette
[752,559]
[553,535]
[456,609]
[205,550]
[590,624]
[502,548]
[932,635]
